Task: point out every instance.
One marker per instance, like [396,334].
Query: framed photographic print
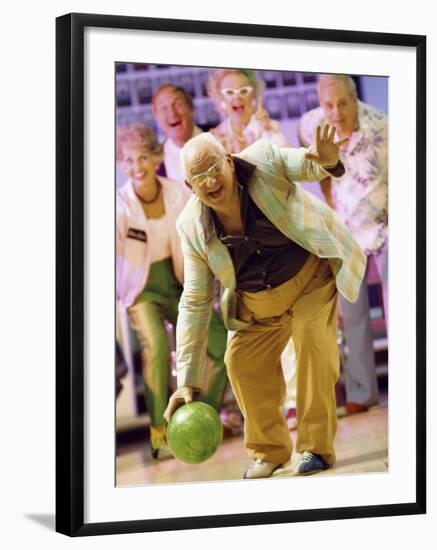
[131,92]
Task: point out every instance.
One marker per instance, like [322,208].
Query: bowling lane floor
[361,444]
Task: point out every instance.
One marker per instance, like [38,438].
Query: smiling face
[173,115]
[140,166]
[239,105]
[339,105]
[211,177]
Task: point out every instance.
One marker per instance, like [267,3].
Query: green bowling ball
[194,432]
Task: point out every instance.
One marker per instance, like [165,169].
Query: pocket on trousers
[322,274]
[243,313]
[277,320]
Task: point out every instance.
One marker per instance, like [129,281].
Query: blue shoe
[310,463]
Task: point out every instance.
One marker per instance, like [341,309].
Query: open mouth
[238,108]
[176,124]
[216,194]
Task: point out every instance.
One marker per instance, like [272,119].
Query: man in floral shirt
[360,197]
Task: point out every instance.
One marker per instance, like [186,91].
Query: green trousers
[159,303]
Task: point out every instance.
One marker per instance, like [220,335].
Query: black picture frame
[70,241]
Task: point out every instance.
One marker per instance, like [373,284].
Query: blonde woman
[237,95]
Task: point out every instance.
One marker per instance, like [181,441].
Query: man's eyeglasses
[212,172]
[230,93]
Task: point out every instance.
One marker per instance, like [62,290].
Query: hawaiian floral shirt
[361,195]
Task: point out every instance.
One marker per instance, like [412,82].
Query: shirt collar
[169,143]
[244,171]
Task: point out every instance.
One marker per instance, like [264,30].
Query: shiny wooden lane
[361,445]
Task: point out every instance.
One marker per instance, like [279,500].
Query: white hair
[327,79]
[195,149]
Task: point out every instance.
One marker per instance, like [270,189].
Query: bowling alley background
[287,96]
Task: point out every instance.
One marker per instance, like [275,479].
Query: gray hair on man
[327,79]
[199,148]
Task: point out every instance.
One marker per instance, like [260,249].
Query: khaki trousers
[304,307]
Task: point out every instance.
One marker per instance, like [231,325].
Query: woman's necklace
[158,191]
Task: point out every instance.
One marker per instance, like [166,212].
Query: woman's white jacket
[132,247]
